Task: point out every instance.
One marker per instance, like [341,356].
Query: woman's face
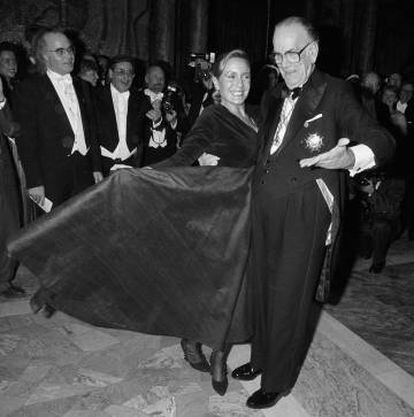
[234,82]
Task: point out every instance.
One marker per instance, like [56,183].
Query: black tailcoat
[152,155]
[47,138]
[107,130]
[291,220]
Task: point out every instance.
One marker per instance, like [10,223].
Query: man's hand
[207,159]
[171,116]
[154,115]
[37,194]
[97,176]
[339,157]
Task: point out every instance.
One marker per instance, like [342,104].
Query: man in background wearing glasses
[117,108]
[57,145]
[297,198]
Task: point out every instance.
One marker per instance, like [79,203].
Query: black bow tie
[295,92]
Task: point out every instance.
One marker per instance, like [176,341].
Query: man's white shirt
[64,88]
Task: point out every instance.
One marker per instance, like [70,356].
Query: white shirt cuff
[364,158]
[2,104]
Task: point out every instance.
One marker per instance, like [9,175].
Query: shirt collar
[116,93]
[58,77]
[152,95]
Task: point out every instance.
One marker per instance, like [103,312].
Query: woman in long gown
[162,251]
[227,134]
[9,201]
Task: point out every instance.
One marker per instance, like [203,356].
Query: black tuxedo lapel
[53,99]
[269,127]
[110,112]
[80,94]
[305,107]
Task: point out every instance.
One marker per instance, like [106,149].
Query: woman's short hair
[223,59]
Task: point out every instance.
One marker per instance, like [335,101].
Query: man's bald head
[296,49]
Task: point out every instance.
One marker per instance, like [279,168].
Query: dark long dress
[156,251]
[9,209]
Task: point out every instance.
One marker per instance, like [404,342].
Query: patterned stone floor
[359,364]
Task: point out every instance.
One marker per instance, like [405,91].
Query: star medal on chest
[313,142]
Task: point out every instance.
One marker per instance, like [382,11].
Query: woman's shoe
[218,366]
[194,355]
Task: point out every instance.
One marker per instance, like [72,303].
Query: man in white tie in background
[57,146]
[163,119]
[118,124]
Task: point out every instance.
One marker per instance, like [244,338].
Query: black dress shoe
[48,311]
[377,267]
[262,399]
[194,355]
[218,367]
[246,372]
[36,304]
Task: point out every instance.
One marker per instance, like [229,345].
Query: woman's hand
[207,159]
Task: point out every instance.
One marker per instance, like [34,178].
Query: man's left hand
[171,116]
[339,157]
[97,176]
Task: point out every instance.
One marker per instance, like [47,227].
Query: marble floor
[361,363]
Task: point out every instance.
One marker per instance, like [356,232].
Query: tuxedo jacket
[325,111]
[197,95]
[153,155]
[107,130]
[47,137]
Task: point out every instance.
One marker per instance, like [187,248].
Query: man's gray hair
[305,23]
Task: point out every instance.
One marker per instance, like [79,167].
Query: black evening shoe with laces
[218,366]
[194,355]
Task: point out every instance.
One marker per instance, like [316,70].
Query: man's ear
[314,51]
[146,79]
[215,82]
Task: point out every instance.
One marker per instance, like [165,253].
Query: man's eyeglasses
[62,51]
[121,72]
[292,57]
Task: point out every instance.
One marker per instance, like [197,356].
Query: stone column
[368,36]
[197,25]
[162,30]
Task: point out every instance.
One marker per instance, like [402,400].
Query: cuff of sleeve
[364,158]
[2,104]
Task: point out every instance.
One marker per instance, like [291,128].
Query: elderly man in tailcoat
[297,205]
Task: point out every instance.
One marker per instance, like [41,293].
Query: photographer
[163,120]
[202,91]
[379,200]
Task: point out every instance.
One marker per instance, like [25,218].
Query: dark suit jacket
[197,95]
[46,134]
[341,116]
[107,131]
[154,155]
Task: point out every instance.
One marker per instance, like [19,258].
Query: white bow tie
[153,96]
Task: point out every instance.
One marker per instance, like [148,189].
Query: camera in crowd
[169,98]
[202,63]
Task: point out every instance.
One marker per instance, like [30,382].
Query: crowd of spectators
[71,119]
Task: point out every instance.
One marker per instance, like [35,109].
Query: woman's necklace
[248,120]
[245,118]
